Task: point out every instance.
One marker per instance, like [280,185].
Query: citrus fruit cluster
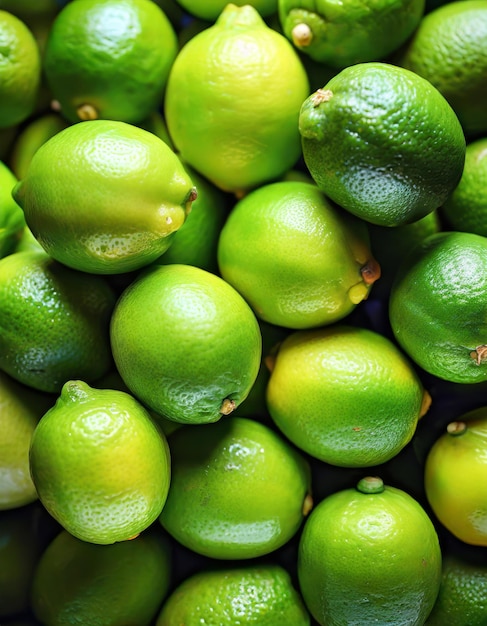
[243,336]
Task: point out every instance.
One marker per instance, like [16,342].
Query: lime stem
[371,271]
[227,406]
[87,112]
[371,484]
[479,355]
[302,35]
[456,428]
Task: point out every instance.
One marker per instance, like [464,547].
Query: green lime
[238,489]
[139,194]
[80,453]
[383,143]
[369,555]
[185,343]
[12,220]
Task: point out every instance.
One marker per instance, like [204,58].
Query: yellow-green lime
[438,303]
[80,453]
[454,477]
[185,343]
[465,209]
[139,194]
[20,410]
[238,489]
[54,321]
[449,49]
[123,583]
[210,9]
[382,142]
[298,260]
[20,70]
[109,59]
[232,101]
[244,595]
[342,34]
[345,395]
[12,220]
[462,600]
[196,241]
[369,555]
[31,137]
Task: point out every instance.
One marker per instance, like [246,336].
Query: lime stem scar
[87,112]
[321,95]
[370,271]
[302,35]
[456,428]
[227,406]
[479,355]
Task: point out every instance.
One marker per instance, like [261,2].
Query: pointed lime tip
[370,484]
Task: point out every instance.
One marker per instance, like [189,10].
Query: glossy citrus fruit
[449,49]
[454,477]
[109,59]
[341,34]
[238,489]
[12,220]
[437,306]
[232,101]
[54,321]
[210,9]
[345,395]
[462,599]
[20,70]
[382,142]
[122,583]
[369,555]
[466,207]
[79,455]
[297,259]
[20,410]
[185,343]
[139,194]
[253,594]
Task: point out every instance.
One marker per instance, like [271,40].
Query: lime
[345,395]
[369,555]
[80,451]
[454,477]
[342,34]
[210,9]
[238,489]
[139,194]
[449,49]
[185,343]
[256,594]
[11,216]
[20,70]
[54,321]
[232,101]
[122,583]
[298,260]
[437,306]
[382,142]
[109,59]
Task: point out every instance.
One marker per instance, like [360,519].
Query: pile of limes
[243,313]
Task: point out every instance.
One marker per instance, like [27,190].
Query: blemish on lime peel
[320,96]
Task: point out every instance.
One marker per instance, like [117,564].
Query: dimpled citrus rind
[437,306]
[345,395]
[358,146]
[185,343]
[296,258]
[238,489]
[79,455]
[139,194]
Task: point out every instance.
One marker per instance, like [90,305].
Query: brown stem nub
[321,95]
[479,355]
[302,35]
[227,406]
[370,271]
[87,112]
[456,428]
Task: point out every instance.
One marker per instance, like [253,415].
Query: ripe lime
[109,59]
[466,207]
[345,395]
[369,555]
[437,306]
[232,101]
[383,143]
[449,49]
[20,70]
[297,259]
[185,343]
[79,455]
[211,9]
[139,194]
[341,34]
[455,475]
[238,489]
[54,321]
[20,410]
[11,216]
[123,583]
[256,594]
